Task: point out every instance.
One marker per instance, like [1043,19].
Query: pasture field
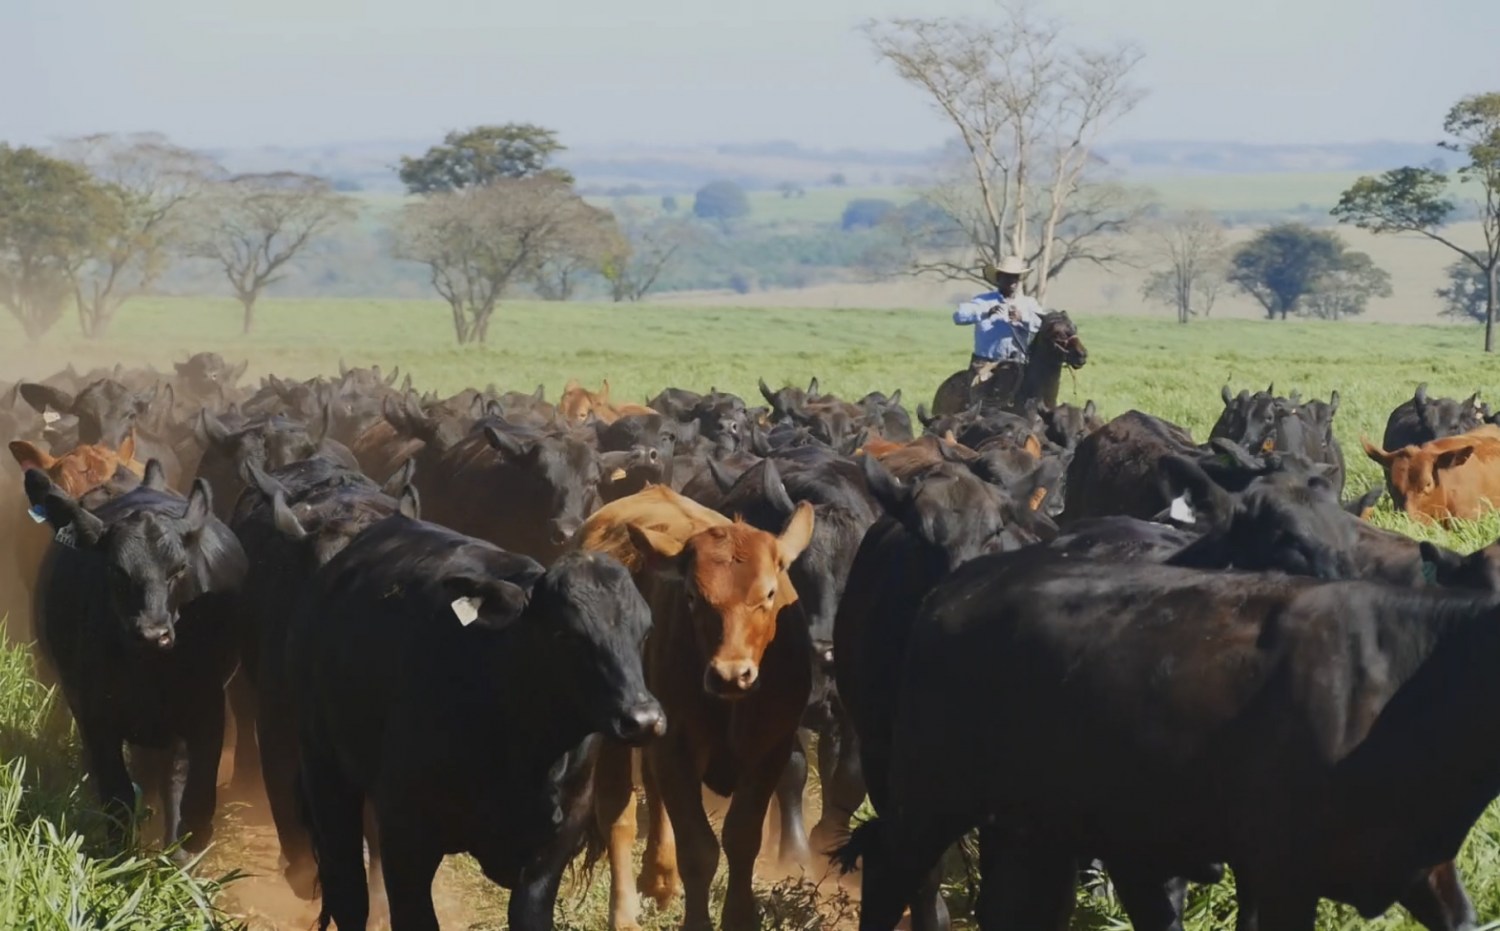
[1153,365]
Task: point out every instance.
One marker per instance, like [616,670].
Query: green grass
[1154,365]
[56,870]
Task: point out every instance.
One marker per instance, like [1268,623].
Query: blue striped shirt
[995,337]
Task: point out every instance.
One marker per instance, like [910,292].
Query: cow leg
[614,809]
[380,903]
[408,865]
[1439,901]
[789,789]
[152,771]
[277,736]
[659,877]
[698,853]
[841,778]
[247,764]
[742,832]
[106,763]
[534,899]
[335,810]
[200,783]
[1151,903]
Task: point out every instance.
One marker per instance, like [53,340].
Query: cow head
[953,510]
[206,374]
[736,585]
[1414,473]
[106,409]
[159,552]
[562,472]
[1479,570]
[578,404]
[82,469]
[594,624]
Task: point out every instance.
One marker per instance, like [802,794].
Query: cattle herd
[488,623]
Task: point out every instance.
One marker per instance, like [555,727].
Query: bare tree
[146,182]
[648,248]
[477,243]
[254,225]
[1028,109]
[582,247]
[1191,257]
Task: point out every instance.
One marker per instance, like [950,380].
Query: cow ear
[774,489]
[1442,559]
[1033,445]
[1227,395]
[1453,458]
[126,452]
[155,477]
[45,397]
[1090,410]
[884,487]
[209,430]
[284,520]
[257,478]
[604,392]
[795,535]
[812,388]
[237,373]
[1333,404]
[767,393]
[508,445]
[409,504]
[1376,453]
[401,478]
[894,399]
[660,553]
[486,604]
[29,456]
[61,511]
[721,478]
[200,506]
[1180,475]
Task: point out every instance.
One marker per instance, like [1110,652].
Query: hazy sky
[680,72]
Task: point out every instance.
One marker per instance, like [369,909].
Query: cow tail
[305,815]
[865,837]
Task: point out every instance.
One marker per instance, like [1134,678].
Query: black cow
[524,490]
[133,608]
[292,522]
[1423,419]
[461,691]
[933,521]
[104,411]
[1164,717]
[266,443]
[1263,422]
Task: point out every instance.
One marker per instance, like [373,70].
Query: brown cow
[1447,479]
[730,660]
[577,403]
[77,472]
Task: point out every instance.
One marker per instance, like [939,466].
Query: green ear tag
[1429,572]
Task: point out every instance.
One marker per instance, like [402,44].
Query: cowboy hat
[1010,265]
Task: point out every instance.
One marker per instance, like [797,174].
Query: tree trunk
[1490,299]
[248,301]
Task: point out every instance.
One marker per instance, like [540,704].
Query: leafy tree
[790,189]
[722,201]
[1282,263]
[253,225]
[866,212]
[478,156]
[49,213]
[1028,108]
[1343,291]
[146,183]
[1413,200]
[1192,249]
[1467,294]
[668,204]
[477,243]
[648,248]
[837,179]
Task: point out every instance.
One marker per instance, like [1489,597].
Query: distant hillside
[644,169]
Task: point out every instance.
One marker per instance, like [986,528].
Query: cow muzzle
[157,632]
[731,679]
[560,531]
[640,723]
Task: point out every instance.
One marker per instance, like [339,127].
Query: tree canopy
[722,201]
[51,216]
[475,157]
[1293,269]
[1415,200]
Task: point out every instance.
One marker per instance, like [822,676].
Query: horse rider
[1004,319]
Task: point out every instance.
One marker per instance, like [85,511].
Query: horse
[1010,384]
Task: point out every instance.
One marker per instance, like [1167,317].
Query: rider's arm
[970,312]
